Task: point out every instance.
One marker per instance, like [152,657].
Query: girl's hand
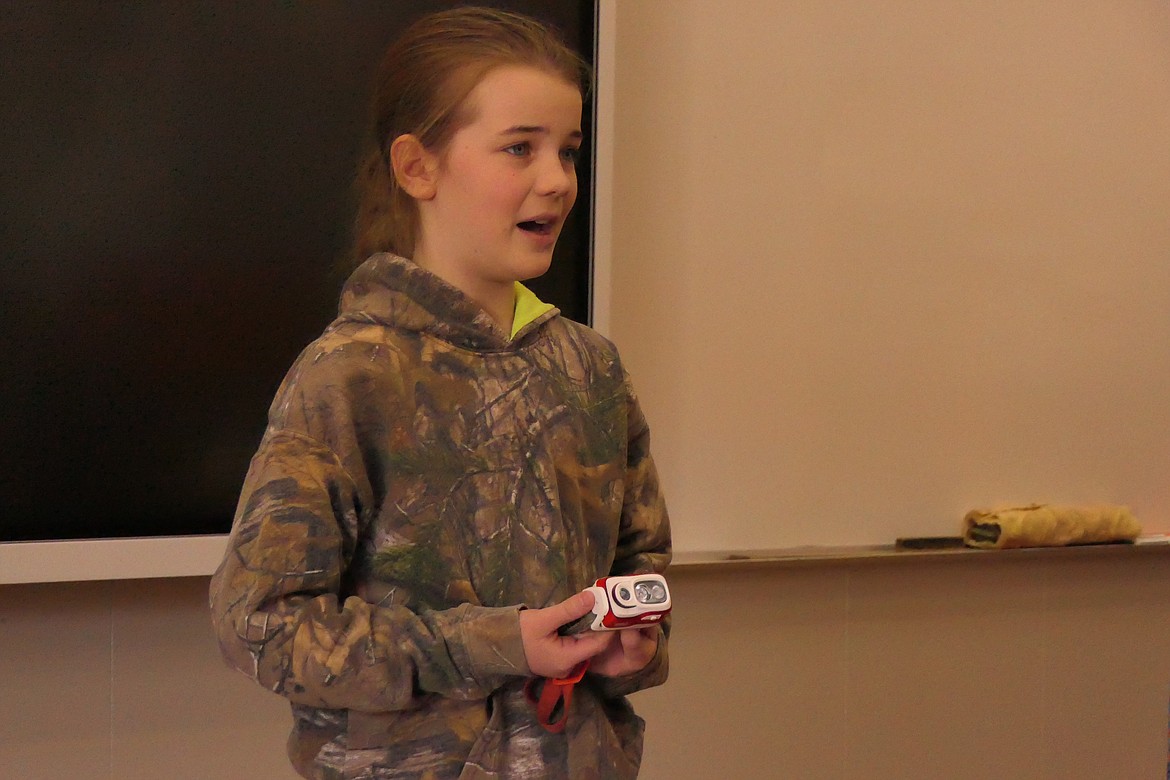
[630,653]
[551,655]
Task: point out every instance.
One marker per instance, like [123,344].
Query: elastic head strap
[552,705]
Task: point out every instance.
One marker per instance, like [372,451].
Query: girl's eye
[571,154]
[517,149]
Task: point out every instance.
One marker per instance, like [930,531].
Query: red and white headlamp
[630,600]
[618,602]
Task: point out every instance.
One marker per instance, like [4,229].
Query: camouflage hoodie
[421,477]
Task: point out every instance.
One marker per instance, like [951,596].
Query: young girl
[451,463]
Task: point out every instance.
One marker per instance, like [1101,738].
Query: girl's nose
[556,176]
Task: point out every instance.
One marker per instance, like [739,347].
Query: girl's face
[504,183]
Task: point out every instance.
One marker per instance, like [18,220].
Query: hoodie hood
[390,290]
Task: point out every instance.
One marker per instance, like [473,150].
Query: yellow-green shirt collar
[528,308]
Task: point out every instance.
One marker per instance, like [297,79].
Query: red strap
[552,706]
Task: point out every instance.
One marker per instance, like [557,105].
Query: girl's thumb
[572,608]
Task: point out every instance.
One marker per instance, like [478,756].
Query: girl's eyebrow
[538,130]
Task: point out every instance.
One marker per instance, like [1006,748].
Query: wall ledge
[81,560]
[786,557]
[198,556]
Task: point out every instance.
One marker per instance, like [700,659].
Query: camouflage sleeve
[280,619]
[643,540]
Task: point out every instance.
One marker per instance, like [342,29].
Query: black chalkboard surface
[176,194]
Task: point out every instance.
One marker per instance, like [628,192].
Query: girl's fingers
[552,618]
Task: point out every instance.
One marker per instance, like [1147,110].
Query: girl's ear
[414,167]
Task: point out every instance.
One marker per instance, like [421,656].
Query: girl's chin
[531,265]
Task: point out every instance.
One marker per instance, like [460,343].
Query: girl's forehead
[521,90]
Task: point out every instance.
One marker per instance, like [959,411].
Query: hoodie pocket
[448,725]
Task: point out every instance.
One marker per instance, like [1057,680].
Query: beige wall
[875,264]
[986,668]
[122,681]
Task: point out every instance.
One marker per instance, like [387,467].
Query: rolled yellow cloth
[1048,525]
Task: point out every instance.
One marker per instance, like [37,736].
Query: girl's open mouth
[538,227]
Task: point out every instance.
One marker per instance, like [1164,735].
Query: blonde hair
[421,89]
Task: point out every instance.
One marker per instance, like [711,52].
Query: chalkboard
[874,264]
[176,190]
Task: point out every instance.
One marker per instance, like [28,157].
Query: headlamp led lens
[650,592]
